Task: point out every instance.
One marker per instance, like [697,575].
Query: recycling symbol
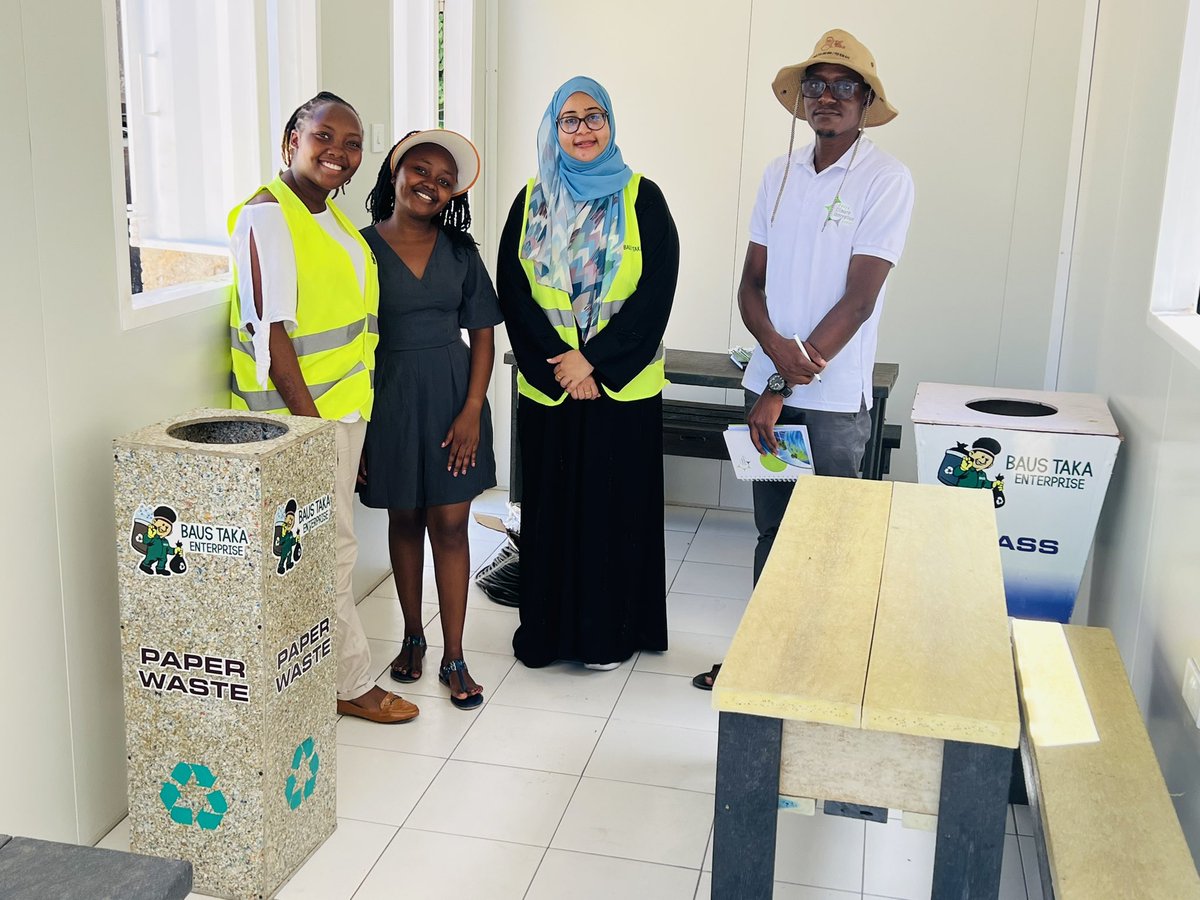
[171,793]
[305,763]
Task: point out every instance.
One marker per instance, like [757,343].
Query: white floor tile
[688,654]
[1010,824]
[661,755]
[422,864]
[582,876]
[118,838]
[382,654]
[898,861]
[722,547]
[494,802]
[820,851]
[665,700]
[1023,820]
[704,614]
[728,521]
[488,669]
[1029,863]
[677,543]
[563,687]
[713,580]
[672,571]
[899,864]
[380,785]
[339,866]
[531,739]
[435,732]
[704,888]
[785,891]
[488,630]
[635,821]
[381,617]
[683,518]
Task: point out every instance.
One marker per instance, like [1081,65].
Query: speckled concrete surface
[229,674]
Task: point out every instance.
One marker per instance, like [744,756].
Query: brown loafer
[392,708]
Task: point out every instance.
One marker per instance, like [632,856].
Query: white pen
[800,344]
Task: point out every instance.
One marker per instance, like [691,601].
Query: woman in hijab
[586,276]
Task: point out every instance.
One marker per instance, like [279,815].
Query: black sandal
[711,674]
[404,674]
[459,667]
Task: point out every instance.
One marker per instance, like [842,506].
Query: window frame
[1175,289]
[284,58]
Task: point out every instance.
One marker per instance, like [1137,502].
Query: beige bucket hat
[840,48]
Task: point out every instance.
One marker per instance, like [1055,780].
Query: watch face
[775,383]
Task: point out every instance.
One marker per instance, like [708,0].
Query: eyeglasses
[594,121]
[842,89]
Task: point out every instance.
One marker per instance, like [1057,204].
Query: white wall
[986,100]
[76,380]
[1145,567]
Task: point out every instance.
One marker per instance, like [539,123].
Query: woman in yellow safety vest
[303,330]
[429,445]
[586,276]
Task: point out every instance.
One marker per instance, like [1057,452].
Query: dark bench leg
[970,826]
[747,807]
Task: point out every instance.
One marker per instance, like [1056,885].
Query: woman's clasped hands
[574,374]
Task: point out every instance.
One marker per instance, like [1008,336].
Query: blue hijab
[576,217]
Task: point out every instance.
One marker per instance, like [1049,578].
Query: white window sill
[1179,329]
[166,303]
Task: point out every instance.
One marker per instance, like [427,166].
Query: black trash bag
[500,578]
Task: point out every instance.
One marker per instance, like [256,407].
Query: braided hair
[454,220]
[303,113]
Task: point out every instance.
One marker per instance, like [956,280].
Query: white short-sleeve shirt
[807,259]
[277,271]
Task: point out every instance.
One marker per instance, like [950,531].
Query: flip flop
[699,682]
[416,667]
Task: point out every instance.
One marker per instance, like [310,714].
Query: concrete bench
[1104,822]
[44,870]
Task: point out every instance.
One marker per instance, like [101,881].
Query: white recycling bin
[1046,457]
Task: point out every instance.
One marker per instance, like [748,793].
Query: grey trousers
[838,441]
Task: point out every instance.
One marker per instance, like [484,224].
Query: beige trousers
[353,653]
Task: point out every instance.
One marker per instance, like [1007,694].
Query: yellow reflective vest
[337,321]
[556,305]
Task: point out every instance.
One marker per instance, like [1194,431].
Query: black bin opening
[1026,409]
[227,431]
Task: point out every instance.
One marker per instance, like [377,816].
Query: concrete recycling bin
[225,560]
[1046,457]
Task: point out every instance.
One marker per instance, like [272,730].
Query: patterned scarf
[576,219]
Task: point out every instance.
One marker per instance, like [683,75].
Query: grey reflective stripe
[235,338]
[610,308]
[659,354]
[372,324]
[261,401]
[560,318]
[327,340]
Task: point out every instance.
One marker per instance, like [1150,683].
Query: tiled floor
[583,784]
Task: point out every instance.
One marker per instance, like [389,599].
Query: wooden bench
[45,870]
[1104,823]
[872,667]
[693,429]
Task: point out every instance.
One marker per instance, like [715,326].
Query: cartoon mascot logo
[968,468]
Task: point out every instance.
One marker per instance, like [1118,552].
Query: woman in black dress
[588,263]
[429,444]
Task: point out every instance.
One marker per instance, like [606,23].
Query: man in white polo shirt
[828,225]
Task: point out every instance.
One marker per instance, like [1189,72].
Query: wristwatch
[776,385]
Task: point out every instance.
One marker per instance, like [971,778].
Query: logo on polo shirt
[839,213]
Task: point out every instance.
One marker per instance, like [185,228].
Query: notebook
[791,459]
